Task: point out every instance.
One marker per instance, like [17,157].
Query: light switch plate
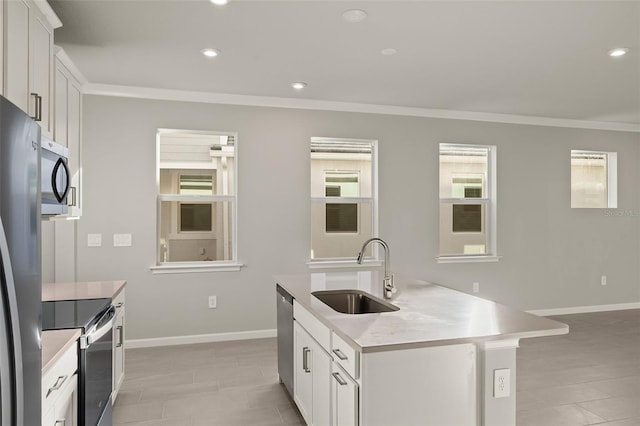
[122,240]
[94,240]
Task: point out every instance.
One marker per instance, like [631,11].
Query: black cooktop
[82,313]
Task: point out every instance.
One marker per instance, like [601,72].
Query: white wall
[553,256]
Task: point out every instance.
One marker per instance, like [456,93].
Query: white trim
[276,102]
[612,180]
[467,259]
[585,309]
[343,264]
[48,13]
[188,268]
[199,338]
[68,63]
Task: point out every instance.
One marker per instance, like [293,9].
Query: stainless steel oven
[96,318]
[55,177]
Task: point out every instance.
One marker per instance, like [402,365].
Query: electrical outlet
[213,302]
[603,280]
[476,287]
[501,383]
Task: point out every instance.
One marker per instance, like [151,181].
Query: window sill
[192,267]
[468,259]
[343,264]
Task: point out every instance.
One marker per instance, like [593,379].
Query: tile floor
[591,376]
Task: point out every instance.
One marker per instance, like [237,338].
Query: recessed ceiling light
[389,51]
[298,85]
[618,51]
[210,53]
[219,2]
[354,15]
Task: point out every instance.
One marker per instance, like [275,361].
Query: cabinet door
[66,408]
[16,65]
[41,57]
[61,88]
[345,398]
[118,352]
[302,367]
[74,130]
[312,371]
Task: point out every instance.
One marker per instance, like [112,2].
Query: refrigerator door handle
[54,184]
[13,331]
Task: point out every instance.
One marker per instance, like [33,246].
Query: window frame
[372,200]
[197,266]
[489,201]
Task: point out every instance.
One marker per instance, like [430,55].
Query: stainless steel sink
[353,302]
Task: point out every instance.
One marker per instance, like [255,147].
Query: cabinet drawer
[57,377]
[316,329]
[347,357]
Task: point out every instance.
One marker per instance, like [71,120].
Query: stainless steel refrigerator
[20,269]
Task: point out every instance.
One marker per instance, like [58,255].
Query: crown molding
[68,63]
[276,102]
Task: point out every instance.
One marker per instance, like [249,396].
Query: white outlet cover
[94,240]
[501,383]
[122,240]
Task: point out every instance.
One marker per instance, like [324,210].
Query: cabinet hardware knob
[339,379]
[340,354]
[57,385]
[305,359]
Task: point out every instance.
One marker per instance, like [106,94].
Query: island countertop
[429,315]
[82,290]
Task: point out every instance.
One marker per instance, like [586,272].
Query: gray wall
[552,256]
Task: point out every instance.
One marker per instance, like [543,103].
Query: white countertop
[429,315]
[82,290]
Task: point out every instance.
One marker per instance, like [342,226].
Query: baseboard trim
[585,309]
[199,338]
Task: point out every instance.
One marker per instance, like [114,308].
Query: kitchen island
[443,358]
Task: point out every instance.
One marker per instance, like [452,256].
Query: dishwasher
[285,338]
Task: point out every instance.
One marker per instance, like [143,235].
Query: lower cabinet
[118,345]
[312,374]
[65,409]
[344,391]
[60,391]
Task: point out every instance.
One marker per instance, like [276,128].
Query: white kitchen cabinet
[60,391]
[28,58]
[344,391]
[118,344]
[67,129]
[312,369]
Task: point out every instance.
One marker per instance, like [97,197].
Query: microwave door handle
[13,330]
[96,333]
[54,183]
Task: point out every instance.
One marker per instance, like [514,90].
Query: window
[593,179]
[341,217]
[343,188]
[467,201]
[196,198]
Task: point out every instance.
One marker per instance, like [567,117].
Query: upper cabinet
[29,59]
[67,129]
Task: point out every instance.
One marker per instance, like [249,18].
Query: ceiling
[531,58]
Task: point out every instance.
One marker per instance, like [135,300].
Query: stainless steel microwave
[55,177]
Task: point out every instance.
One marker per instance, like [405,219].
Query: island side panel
[492,356]
[420,386]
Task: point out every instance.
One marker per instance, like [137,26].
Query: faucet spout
[387,284]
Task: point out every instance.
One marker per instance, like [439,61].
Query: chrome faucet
[387,283]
